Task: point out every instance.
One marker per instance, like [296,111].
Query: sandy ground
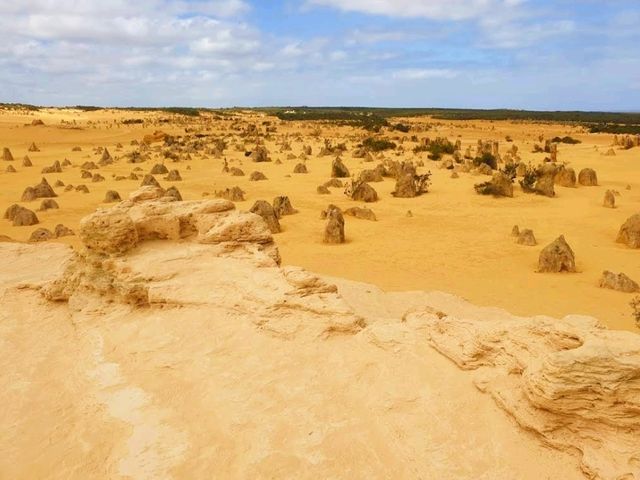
[456,241]
[198,390]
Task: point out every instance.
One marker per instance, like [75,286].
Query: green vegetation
[529,179]
[568,140]
[488,158]
[401,127]
[21,106]
[504,114]
[616,129]
[374,118]
[486,188]
[87,108]
[378,144]
[362,118]
[436,148]
[190,112]
[490,187]
[510,170]
[538,149]
[299,113]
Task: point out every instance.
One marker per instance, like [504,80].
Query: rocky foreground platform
[174,345]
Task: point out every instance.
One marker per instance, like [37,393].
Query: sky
[525,54]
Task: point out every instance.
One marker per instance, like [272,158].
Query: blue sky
[534,54]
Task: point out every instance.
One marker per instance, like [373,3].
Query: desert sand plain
[182,339]
[456,241]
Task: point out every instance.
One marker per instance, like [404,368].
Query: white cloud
[502,23]
[292,50]
[338,56]
[518,34]
[423,73]
[219,8]
[111,8]
[314,52]
[368,37]
[226,40]
[203,52]
[118,27]
[102,50]
[430,9]
[263,66]
[123,52]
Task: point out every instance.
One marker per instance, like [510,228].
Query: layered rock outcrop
[148,215]
[573,383]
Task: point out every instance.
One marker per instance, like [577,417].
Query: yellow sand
[456,241]
[98,390]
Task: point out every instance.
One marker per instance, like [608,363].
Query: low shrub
[485,188]
[439,147]
[488,158]
[378,144]
[510,170]
[529,179]
[567,139]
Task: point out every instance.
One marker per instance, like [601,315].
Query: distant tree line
[374,118]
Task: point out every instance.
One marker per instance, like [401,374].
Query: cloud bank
[462,53]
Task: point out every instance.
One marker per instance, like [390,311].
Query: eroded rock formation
[618,281]
[587,177]
[150,215]
[629,232]
[334,229]
[570,382]
[557,257]
[339,169]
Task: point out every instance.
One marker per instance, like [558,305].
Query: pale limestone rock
[361,213]
[361,192]
[24,217]
[544,185]
[41,190]
[282,206]
[334,229]
[629,232]
[339,169]
[108,232]
[557,257]
[618,281]
[234,227]
[269,215]
[41,235]
[587,177]
[571,382]
[300,168]
[565,177]
[526,237]
[609,199]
